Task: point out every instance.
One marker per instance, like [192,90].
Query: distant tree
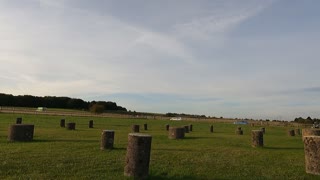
[97,108]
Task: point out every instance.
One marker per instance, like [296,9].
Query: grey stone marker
[257,138]
[62,123]
[71,126]
[135,128]
[138,156]
[145,127]
[19,120]
[176,132]
[312,154]
[21,132]
[190,127]
[91,124]
[107,139]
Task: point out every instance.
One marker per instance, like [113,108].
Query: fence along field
[56,153]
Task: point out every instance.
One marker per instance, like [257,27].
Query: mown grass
[57,153]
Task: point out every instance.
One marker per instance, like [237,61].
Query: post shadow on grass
[282,148]
[164,176]
[62,140]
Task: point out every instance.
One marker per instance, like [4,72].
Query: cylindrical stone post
[310,132]
[21,132]
[91,124]
[167,127]
[291,132]
[138,156]
[176,132]
[145,126]
[71,126]
[297,132]
[186,128]
[257,138]
[135,128]
[211,128]
[107,139]
[252,124]
[190,127]
[312,154]
[19,120]
[263,130]
[62,123]
[239,131]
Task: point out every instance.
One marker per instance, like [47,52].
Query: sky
[230,58]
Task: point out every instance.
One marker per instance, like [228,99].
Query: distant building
[41,109]
[241,122]
[176,119]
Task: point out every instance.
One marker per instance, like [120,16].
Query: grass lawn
[57,153]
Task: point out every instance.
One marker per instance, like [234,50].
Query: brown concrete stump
[167,127]
[91,124]
[19,120]
[186,129]
[176,132]
[135,128]
[107,139]
[211,128]
[291,132]
[190,127]
[21,132]
[257,138]
[239,131]
[138,156]
[145,126]
[263,130]
[297,132]
[62,123]
[71,126]
[312,154]
[310,132]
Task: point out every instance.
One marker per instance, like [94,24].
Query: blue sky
[230,58]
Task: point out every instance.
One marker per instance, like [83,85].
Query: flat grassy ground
[57,153]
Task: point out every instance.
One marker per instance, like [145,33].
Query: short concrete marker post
[71,126]
[138,156]
[291,132]
[310,132]
[211,128]
[167,127]
[312,154]
[297,132]
[63,123]
[186,129]
[21,132]
[145,126]
[19,120]
[190,127]
[176,132]
[107,139]
[135,128]
[91,124]
[257,138]
[239,131]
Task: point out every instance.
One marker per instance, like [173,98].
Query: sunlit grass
[57,153]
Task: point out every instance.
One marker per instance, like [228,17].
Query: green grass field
[57,153]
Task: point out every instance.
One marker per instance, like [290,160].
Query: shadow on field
[284,148]
[162,177]
[62,140]
[197,138]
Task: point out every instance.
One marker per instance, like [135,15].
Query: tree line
[57,102]
[308,120]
